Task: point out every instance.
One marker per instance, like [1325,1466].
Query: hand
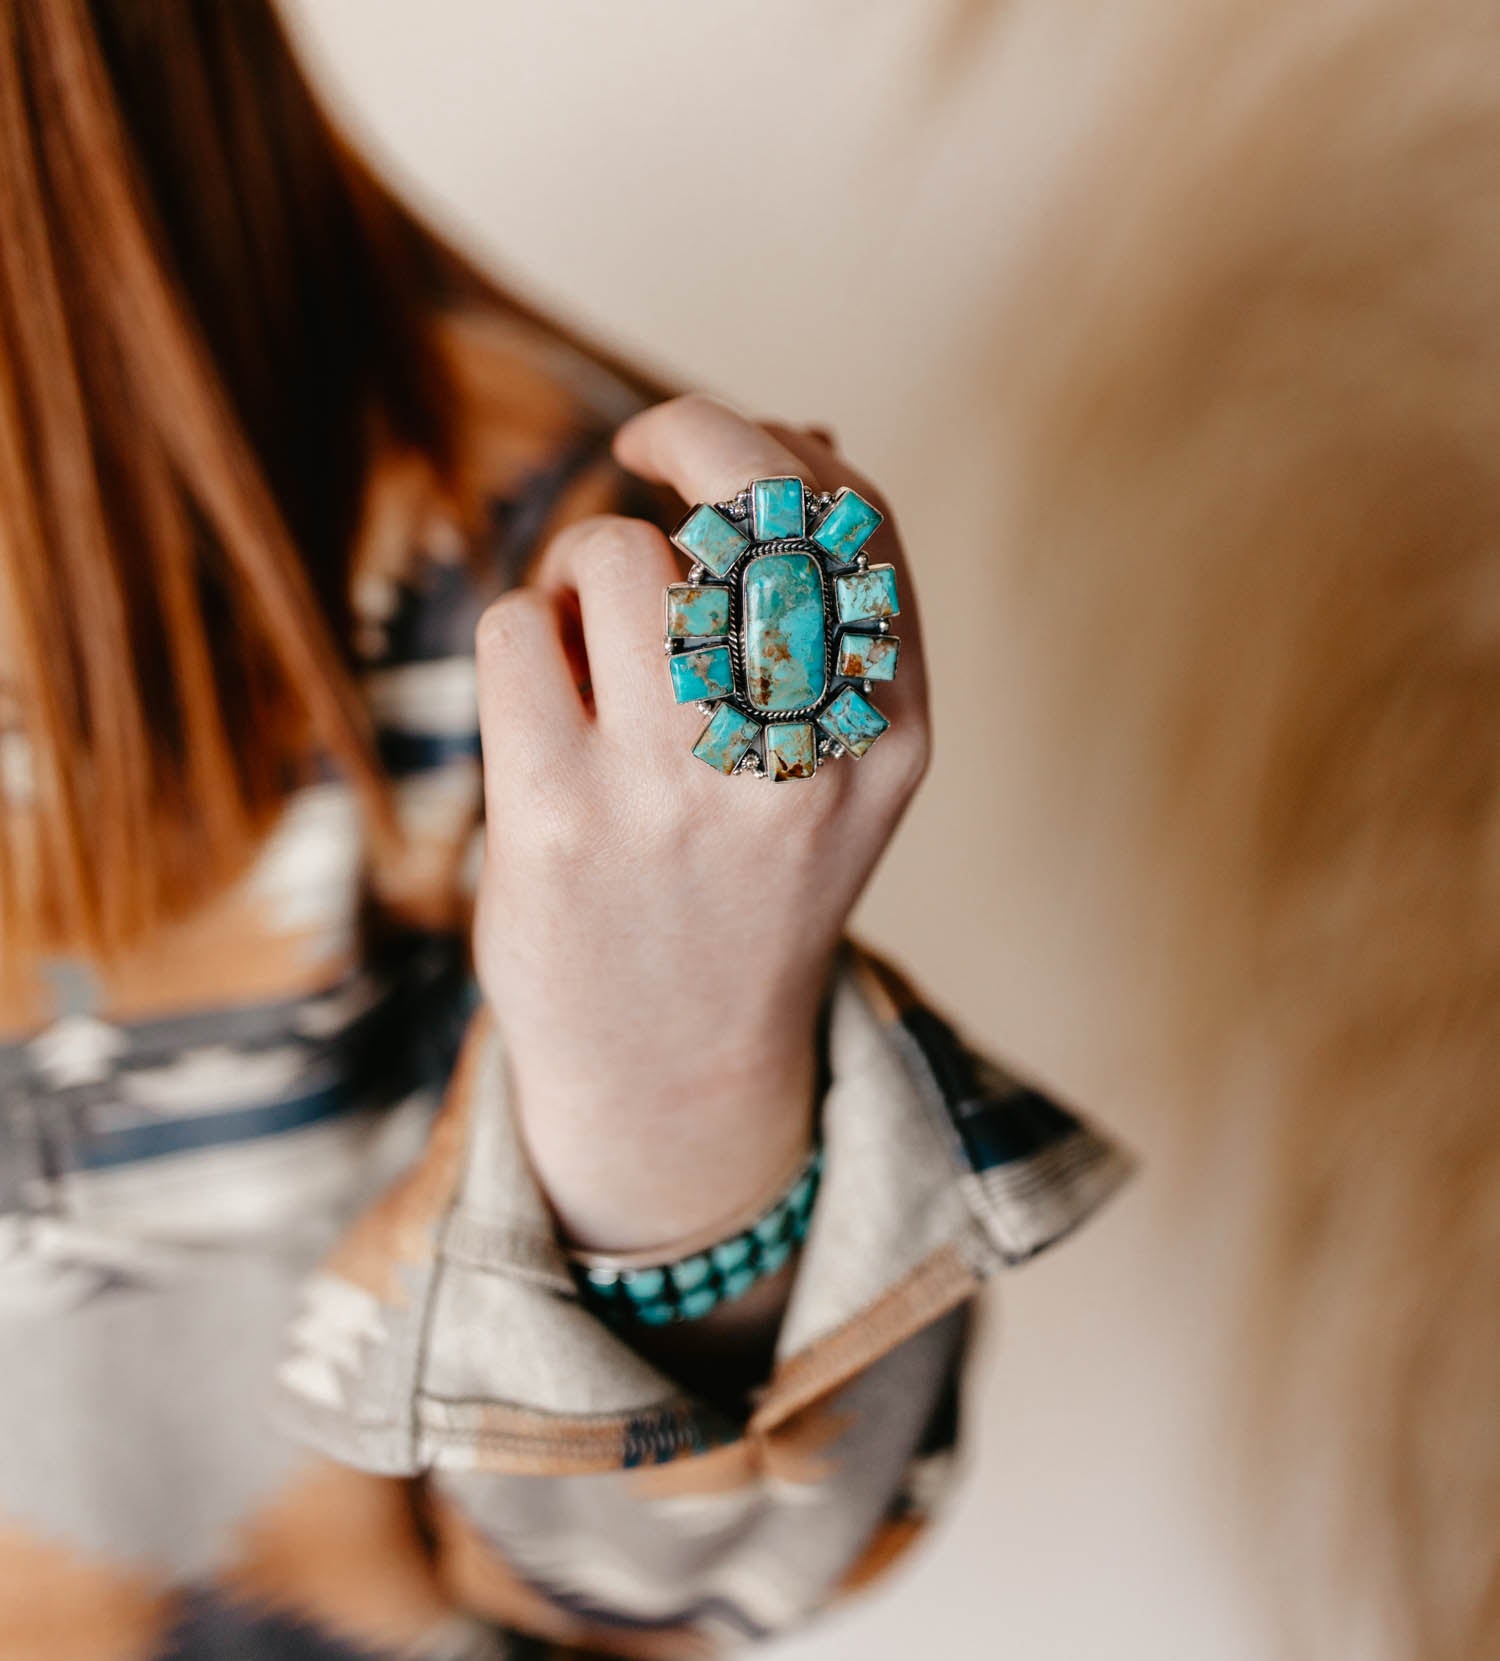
[656,939]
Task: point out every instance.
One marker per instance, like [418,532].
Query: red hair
[200,367]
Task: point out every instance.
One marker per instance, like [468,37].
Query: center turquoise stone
[786,658]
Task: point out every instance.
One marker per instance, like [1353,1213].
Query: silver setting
[831,628]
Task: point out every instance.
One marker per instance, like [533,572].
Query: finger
[703,449]
[619,569]
[530,708]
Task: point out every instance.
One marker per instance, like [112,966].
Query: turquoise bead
[691,1272]
[708,536]
[800,1198]
[738,1283]
[791,751]
[656,1314]
[694,1305]
[731,1254]
[706,672]
[848,526]
[697,609]
[646,1284]
[773,1257]
[769,1226]
[786,643]
[778,508]
[868,657]
[723,742]
[867,596]
[855,723]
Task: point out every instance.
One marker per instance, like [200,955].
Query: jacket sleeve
[573,1491]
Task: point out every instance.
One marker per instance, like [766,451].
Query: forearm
[656,941]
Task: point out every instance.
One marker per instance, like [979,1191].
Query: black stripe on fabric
[435,615]
[439,603]
[407,1041]
[403,754]
[994,1129]
[666,1433]
[211,1628]
[103,1150]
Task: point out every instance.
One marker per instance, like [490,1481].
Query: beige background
[799,204]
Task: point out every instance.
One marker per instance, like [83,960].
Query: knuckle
[613,550]
[690,408]
[506,622]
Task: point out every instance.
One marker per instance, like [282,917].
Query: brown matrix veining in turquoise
[786,639]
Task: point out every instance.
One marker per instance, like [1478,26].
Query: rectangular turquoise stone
[705,672]
[778,508]
[706,535]
[791,750]
[848,526]
[867,596]
[868,657]
[723,742]
[855,723]
[786,642]
[697,609]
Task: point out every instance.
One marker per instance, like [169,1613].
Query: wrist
[635,1161]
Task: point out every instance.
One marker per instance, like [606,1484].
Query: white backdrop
[797,204]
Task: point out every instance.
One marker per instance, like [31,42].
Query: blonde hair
[1249,442]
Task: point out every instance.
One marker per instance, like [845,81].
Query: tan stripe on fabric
[341,1550]
[935,1286]
[494,1436]
[797,1452]
[888,1546]
[886,991]
[401,1227]
[57,1605]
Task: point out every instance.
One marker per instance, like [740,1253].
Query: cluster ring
[782,628]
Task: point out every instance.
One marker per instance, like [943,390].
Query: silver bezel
[738,646]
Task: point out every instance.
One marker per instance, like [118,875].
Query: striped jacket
[293,1364]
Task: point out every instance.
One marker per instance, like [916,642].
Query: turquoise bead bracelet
[690,1287]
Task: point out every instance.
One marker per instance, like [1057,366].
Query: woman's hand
[656,939]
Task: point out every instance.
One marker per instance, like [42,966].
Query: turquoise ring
[782,628]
